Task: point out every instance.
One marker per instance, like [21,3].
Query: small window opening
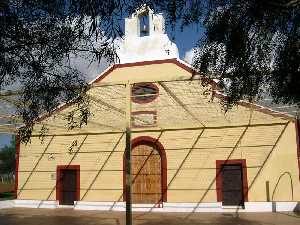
[144,24]
[144,92]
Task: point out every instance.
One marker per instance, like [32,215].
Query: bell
[145,29]
[144,26]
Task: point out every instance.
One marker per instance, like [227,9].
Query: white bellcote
[145,38]
[144,20]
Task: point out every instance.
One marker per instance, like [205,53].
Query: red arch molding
[146,140]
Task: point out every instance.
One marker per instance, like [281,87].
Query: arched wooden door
[146,174]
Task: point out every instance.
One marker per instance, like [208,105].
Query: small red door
[232,185]
[68,189]
[68,184]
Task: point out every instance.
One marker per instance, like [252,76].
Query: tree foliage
[37,39]
[254,44]
[7,157]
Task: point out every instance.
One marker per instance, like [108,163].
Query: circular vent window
[144,92]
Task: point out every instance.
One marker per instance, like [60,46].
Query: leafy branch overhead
[7,158]
[251,46]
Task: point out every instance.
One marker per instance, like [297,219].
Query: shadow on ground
[24,216]
[197,219]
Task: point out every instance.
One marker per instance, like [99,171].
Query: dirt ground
[24,216]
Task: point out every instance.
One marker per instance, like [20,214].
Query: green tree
[253,44]
[8,158]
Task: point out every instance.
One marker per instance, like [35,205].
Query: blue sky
[4,139]
[186,39]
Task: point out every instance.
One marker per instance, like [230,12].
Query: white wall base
[258,207]
[6,204]
[99,205]
[191,207]
[287,206]
[36,204]
[165,207]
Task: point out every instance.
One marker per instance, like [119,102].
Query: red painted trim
[154,113]
[144,63]
[153,62]
[112,68]
[58,180]
[105,74]
[146,140]
[150,99]
[297,127]
[17,165]
[181,65]
[256,107]
[219,164]
[58,109]
[66,105]
[265,110]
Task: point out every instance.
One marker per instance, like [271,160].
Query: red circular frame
[148,100]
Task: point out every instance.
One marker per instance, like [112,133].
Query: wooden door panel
[146,171]
[232,185]
[68,186]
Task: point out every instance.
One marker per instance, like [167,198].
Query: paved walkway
[24,216]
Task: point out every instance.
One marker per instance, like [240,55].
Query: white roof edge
[272,111]
[185,63]
[191,67]
[263,107]
[65,103]
[108,68]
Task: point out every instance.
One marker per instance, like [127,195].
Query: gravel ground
[25,216]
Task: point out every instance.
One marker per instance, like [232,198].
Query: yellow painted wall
[190,171]
[281,170]
[147,73]
[195,178]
